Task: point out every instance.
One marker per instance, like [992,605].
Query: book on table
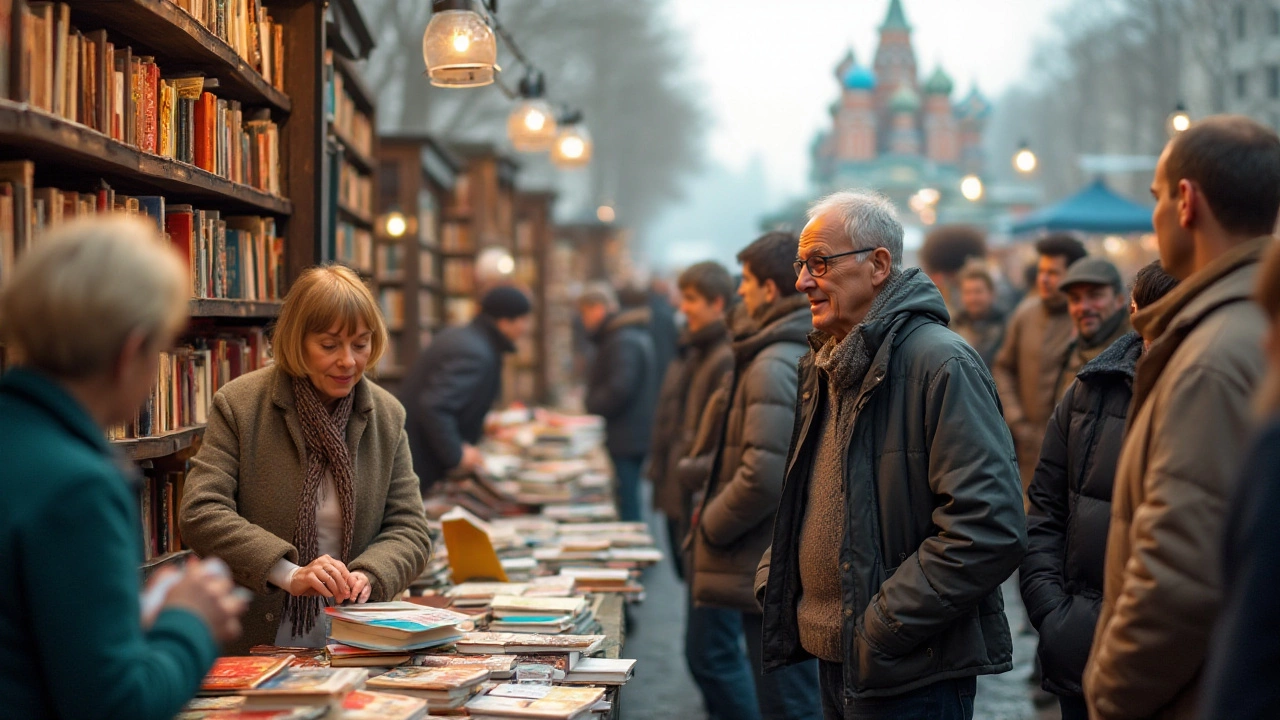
[500,667]
[347,656]
[365,705]
[601,671]
[496,643]
[231,707]
[444,688]
[405,627]
[546,702]
[230,675]
[305,686]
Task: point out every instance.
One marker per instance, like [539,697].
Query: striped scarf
[326,450]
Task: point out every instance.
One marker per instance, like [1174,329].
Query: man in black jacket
[622,387]
[901,510]
[456,381]
[1069,505]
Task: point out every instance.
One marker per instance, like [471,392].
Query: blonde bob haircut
[321,298]
[81,291]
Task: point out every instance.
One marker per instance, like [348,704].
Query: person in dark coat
[901,510]
[455,383]
[705,358]
[1070,506]
[980,321]
[1242,677]
[622,387]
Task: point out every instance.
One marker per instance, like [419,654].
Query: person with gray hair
[901,511]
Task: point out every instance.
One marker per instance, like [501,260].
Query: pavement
[662,688]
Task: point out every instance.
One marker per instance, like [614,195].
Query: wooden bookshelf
[244,309]
[32,134]
[352,152]
[354,216]
[529,378]
[350,183]
[159,445]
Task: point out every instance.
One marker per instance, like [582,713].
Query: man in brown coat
[1217,190]
[1035,343]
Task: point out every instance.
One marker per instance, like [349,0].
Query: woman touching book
[304,482]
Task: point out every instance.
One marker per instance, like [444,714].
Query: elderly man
[901,511]
[1099,312]
[1217,191]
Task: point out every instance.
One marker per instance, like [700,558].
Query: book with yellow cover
[471,553]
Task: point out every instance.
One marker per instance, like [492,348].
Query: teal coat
[71,641]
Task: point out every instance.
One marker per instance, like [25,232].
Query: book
[304,686]
[347,656]
[233,674]
[495,643]
[535,701]
[438,685]
[507,606]
[365,705]
[471,553]
[231,707]
[500,667]
[394,629]
[602,671]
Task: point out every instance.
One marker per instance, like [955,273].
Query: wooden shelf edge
[350,152]
[45,134]
[159,445]
[233,308]
[165,559]
[355,84]
[355,216]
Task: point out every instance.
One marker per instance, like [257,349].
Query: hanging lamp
[532,124]
[459,47]
[572,148]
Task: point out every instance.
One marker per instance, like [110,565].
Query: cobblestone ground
[663,690]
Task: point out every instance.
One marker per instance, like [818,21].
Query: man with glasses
[901,511]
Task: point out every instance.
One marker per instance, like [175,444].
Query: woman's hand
[360,587]
[325,576]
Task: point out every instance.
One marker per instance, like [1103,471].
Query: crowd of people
[851,457]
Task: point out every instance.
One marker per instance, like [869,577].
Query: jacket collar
[635,317]
[1218,283]
[42,390]
[1121,358]
[282,393]
[705,338]
[788,320]
[500,342]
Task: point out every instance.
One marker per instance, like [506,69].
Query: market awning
[1093,210]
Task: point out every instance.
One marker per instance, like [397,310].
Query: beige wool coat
[241,498]
[1188,425]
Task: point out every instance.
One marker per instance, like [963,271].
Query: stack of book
[394,626]
[535,701]
[305,687]
[231,707]
[551,616]
[365,705]
[500,667]
[444,688]
[347,656]
[601,671]
[602,580]
[502,643]
[232,675]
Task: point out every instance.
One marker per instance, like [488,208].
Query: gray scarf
[845,362]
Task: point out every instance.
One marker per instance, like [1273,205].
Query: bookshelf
[350,115]
[416,177]
[480,214]
[217,128]
[527,369]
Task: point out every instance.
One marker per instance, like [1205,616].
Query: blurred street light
[1025,161]
[458,46]
[1179,121]
[971,188]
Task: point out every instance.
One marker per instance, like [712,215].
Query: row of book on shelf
[352,124]
[355,190]
[248,28]
[88,80]
[159,502]
[354,246]
[238,256]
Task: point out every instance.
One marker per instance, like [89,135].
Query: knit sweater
[820,538]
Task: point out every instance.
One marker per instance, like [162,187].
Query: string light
[458,46]
[532,124]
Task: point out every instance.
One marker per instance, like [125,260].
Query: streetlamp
[971,188]
[1025,161]
[458,46]
[1179,121]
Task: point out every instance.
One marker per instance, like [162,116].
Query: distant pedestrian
[1070,504]
[901,511]
[1242,680]
[1217,191]
[735,525]
[455,383]
[704,360]
[622,386]
[1099,314]
[979,320]
[1036,341]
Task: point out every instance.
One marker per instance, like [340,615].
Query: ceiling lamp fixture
[458,46]
[532,124]
[971,188]
[572,148]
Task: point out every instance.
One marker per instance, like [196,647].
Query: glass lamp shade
[572,148]
[532,126]
[459,49]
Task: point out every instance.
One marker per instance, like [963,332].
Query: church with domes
[897,132]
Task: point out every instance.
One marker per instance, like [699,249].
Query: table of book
[542,526]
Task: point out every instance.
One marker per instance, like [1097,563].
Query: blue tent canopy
[1093,210]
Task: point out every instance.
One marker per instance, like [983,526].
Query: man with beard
[1099,311]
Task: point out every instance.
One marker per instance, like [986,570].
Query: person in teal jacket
[86,313]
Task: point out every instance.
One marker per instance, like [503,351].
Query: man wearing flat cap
[456,381]
[1099,311]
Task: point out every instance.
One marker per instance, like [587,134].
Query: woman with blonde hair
[87,312]
[304,483]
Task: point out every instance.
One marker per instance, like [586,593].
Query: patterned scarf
[326,450]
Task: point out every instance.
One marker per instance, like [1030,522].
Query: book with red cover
[204,130]
[178,224]
[235,674]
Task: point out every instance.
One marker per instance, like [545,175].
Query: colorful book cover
[232,674]
[310,681]
[555,701]
[443,679]
[363,705]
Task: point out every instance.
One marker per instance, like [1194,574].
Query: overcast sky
[766,66]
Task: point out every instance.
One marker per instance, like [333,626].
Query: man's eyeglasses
[817,264]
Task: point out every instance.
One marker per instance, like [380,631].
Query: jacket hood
[635,317]
[915,294]
[788,321]
[1119,359]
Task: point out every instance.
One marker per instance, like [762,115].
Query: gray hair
[866,217]
[599,292]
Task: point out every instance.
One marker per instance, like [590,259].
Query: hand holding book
[205,589]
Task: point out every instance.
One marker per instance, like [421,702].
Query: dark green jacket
[71,641]
[933,511]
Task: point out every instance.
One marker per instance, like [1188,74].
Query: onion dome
[860,78]
[905,100]
[939,83]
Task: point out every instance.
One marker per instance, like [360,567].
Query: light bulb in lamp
[396,225]
[1025,161]
[532,126]
[458,46]
[572,148]
[971,188]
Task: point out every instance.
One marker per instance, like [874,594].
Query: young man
[979,321]
[455,383]
[735,524]
[1027,367]
[1070,504]
[622,387]
[1217,191]
[703,360]
[1099,313]
[901,511]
